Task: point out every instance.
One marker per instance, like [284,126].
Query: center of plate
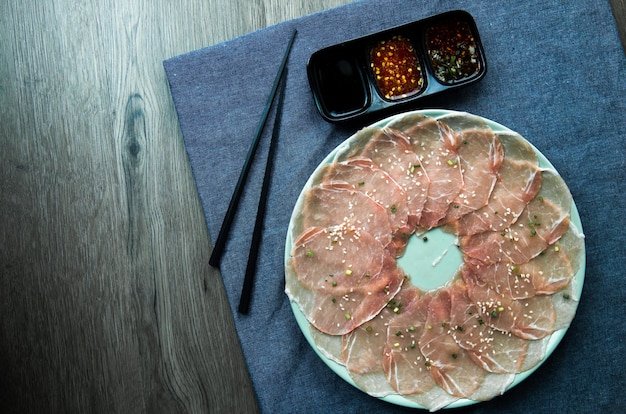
[431,259]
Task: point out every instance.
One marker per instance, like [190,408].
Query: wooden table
[107,301]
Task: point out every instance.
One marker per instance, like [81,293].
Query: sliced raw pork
[450,365]
[493,350]
[328,205]
[515,288]
[362,175]
[549,272]
[463,121]
[363,348]
[532,318]
[518,181]
[436,146]
[394,155]
[481,156]
[543,221]
[556,267]
[339,287]
[505,279]
[406,368]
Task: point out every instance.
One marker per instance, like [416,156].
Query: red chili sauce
[396,69]
[453,52]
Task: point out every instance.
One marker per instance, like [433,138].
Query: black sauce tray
[352,79]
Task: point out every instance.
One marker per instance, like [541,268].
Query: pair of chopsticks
[248,281]
[220,244]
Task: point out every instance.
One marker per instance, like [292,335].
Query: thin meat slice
[433,400]
[481,155]
[463,121]
[492,386]
[516,147]
[543,221]
[532,318]
[453,367]
[565,304]
[556,267]
[493,350]
[450,365]
[363,348]
[362,175]
[436,145]
[329,345]
[518,181]
[475,139]
[340,287]
[505,279]
[394,155]
[537,294]
[336,258]
[328,205]
[405,366]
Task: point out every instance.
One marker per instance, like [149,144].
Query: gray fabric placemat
[556,75]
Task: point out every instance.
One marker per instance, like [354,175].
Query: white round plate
[435,254]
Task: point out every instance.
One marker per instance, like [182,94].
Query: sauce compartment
[396,67]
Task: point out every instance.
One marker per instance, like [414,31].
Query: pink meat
[436,145]
[493,350]
[394,155]
[518,181]
[504,278]
[336,259]
[406,368]
[451,366]
[363,348]
[463,121]
[481,155]
[332,205]
[339,287]
[543,221]
[532,318]
[362,175]
[556,267]
[519,248]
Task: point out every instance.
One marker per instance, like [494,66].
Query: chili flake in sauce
[453,51]
[396,68]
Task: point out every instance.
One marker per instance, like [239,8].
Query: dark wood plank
[619,12]
[107,301]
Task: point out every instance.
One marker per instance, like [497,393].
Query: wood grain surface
[107,301]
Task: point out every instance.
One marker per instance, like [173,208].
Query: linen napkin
[556,75]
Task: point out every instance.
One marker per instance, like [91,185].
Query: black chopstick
[220,243]
[248,282]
